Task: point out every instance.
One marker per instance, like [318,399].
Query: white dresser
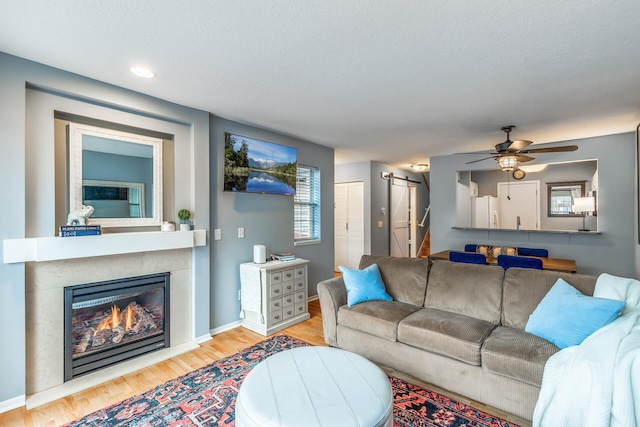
[273,295]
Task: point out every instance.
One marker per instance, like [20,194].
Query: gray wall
[612,251]
[376,196]
[27,168]
[266,218]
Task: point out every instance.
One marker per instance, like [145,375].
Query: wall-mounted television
[255,166]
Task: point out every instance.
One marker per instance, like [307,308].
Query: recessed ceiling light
[143,72]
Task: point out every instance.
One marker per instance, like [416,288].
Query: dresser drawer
[288,312]
[300,285]
[299,272]
[275,304]
[287,275]
[301,308]
[288,300]
[288,287]
[300,297]
[275,291]
[275,317]
[275,277]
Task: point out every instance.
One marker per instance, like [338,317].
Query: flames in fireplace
[117,317]
[102,329]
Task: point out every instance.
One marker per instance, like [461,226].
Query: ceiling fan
[510,153]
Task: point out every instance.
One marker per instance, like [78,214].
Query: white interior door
[519,200]
[349,224]
[400,233]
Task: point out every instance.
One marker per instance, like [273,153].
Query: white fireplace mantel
[40,249]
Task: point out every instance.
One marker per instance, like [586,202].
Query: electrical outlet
[241,233]
[217,234]
[380,224]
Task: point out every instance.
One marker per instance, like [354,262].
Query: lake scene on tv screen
[255,166]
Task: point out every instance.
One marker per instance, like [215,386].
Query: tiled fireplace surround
[45,311]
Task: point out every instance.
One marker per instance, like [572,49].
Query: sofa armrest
[333,295]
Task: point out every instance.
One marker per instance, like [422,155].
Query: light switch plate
[217,234]
[241,233]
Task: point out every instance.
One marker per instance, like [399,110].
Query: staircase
[425,248]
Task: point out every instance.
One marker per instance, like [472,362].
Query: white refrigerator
[484,212]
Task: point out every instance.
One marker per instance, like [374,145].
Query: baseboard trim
[233,325]
[13,403]
[225,328]
[93,379]
[203,338]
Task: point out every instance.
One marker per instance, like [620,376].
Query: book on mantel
[80,230]
[283,257]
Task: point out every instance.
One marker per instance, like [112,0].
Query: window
[306,206]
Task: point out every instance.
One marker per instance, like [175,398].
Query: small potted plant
[183,216]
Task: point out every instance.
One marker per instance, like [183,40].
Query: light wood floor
[225,344]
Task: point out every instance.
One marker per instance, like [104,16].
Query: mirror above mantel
[118,173]
[496,199]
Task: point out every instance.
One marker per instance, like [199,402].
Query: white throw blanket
[597,383]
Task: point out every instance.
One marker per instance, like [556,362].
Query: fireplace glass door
[108,322]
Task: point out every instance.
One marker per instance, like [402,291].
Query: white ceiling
[392,81]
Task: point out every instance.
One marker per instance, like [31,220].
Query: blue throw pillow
[566,317]
[364,285]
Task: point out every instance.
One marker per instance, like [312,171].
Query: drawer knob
[276,291]
[289,312]
[277,304]
[276,317]
[289,275]
[276,277]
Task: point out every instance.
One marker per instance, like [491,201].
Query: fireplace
[109,322]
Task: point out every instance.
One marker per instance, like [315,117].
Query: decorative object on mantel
[80,230]
[168,226]
[80,216]
[183,216]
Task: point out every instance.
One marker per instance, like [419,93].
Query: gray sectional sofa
[458,326]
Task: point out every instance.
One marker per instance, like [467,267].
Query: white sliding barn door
[349,224]
[400,231]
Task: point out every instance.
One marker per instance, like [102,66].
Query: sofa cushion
[468,289]
[364,285]
[379,318]
[450,334]
[405,278]
[516,354]
[524,289]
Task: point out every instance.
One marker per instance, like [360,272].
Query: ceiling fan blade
[550,149]
[522,158]
[479,160]
[519,144]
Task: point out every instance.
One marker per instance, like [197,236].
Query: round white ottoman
[315,386]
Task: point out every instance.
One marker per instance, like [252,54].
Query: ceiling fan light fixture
[533,168]
[508,163]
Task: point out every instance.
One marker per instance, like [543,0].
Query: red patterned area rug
[206,397]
